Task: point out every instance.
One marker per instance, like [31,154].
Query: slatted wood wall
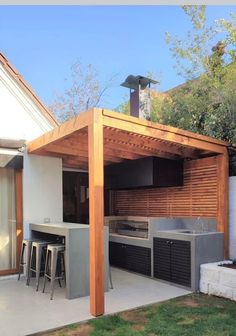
[197,197]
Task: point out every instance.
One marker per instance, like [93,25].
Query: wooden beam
[151,130]
[66,129]
[170,129]
[150,143]
[96,217]
[136,149]
[68,150]
[81,152]
[223,201]
[119,153]
[68,164]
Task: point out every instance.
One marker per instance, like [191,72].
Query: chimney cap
[135,82]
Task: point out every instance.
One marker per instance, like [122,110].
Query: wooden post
[96,215]
[223,186]
[19,213]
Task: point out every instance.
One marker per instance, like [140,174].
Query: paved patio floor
[24,311]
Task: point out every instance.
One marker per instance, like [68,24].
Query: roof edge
[27,88]
[163,127]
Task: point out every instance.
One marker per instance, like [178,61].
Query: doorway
[76,197]
[10,219]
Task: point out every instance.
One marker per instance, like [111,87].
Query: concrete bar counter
[76,237]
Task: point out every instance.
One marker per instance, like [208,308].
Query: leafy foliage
[206,103]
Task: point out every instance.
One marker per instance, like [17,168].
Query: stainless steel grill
[132,228]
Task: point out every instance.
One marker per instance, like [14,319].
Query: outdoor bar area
[153,191]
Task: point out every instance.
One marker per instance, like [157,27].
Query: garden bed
[219,279]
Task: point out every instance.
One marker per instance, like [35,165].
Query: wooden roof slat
[153,144]
[142,151]
[170,134]
[125,137]
[166,128]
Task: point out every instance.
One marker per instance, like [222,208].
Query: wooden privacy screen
[197,197]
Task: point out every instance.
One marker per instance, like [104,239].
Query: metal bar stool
[54,258]
[25,248]
[38,249]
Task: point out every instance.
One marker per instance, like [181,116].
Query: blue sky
[43,41]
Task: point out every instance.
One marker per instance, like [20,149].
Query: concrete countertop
[179,234]
[64,225]
[58,228]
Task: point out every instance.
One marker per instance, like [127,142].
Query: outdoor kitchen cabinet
[131,257]
[172,260]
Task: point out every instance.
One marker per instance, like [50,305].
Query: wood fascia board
[66,129]
[112,119]
[166,128]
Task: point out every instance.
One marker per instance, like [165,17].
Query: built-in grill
[132,228]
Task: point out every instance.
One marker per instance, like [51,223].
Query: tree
[206,103]
[192,54]
[85,91]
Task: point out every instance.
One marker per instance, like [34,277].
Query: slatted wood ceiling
[198,196]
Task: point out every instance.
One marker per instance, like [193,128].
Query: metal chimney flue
[140,102]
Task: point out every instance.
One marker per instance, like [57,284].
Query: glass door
[8,223]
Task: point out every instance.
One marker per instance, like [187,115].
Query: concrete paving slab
[23,311]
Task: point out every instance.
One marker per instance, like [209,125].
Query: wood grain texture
[223,198]
[197,197]
[96,217]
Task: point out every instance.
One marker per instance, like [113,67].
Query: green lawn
[194,314]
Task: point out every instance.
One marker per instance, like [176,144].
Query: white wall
[232,217]
[42,192]
[20,118]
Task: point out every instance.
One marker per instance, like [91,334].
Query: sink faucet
[200,222]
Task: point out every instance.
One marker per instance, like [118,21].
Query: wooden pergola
[100,137]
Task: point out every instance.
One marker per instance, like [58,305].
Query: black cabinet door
[161,259]
[130,257]
[172,260]
[117,254]
[138,259]
[181,262]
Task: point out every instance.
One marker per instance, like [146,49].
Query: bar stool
[54,258]
[25,247]
[39,247]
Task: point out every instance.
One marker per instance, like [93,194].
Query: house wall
[232,217]
[42,190]
[42,176]
[197,197]
[20,117]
